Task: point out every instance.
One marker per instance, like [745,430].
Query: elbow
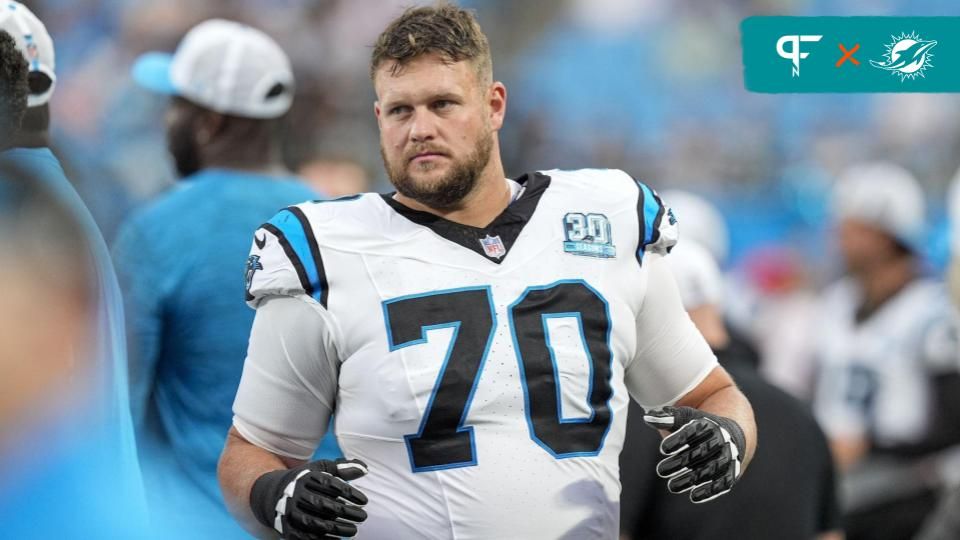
[225,463]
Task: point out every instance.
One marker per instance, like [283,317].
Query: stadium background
[653,87]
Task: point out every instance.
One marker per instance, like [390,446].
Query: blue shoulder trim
[649,214]
[293,230]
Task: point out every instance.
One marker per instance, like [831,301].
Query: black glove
[311,502]
[704,451]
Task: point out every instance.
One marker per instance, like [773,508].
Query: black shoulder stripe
[314,252]
[642,222]
[292,255]
[656,222]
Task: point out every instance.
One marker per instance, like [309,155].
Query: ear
[376,112]
[210,126]
[497,100]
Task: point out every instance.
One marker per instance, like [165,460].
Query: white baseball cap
[698,277]
[36,45]
[883,195]
[224,66]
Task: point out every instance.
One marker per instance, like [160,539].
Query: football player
[478,337]
[889,376]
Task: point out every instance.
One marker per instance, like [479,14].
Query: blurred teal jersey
[181,264]
[103,419]
[58,482]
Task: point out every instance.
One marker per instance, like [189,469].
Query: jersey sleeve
[285,260]
[288,389]
[658,225]
[672,356]
[940,342]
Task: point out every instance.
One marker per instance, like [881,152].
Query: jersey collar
[501,232]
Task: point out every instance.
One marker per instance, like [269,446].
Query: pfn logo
[794,54]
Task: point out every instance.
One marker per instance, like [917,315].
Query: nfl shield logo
[493,246]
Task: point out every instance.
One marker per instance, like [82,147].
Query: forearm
[848,451]
[241,464]
[731,403]
[718,395]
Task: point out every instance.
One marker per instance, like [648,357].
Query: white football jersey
[875,376]
[482,374]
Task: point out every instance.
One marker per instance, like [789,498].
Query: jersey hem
[248,434]
[701,376]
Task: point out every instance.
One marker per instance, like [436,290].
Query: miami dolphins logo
[907,56]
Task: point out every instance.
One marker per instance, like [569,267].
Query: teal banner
[851,54]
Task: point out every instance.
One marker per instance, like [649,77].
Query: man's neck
[489,198]
[264,167]
[31,139]
[885,281]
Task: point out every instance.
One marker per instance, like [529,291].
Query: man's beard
[447,192]
[183,147]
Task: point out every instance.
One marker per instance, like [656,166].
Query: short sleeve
[672,356]
[289,385]
[285,260]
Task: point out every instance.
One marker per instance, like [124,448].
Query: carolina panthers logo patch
[588,235]
[253,264]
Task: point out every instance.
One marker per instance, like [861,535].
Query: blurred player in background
[23,333]
[479,337]
[335,177]
[50,457]
[888,393]
[178,259]
[54,446]
[795,506]
[944,522]
[769,306]
[106,417]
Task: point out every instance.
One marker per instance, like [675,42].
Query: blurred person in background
[769,304]
[888,391]
[27,149]
[180,259]
[335,177]
[778,308]
[702,223]
[53,454]
[795,506]
[944,522]
[22,332]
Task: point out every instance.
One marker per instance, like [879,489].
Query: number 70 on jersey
[443,440]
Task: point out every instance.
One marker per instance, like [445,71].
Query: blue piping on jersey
[296,236]
[443,368]
[651,208]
